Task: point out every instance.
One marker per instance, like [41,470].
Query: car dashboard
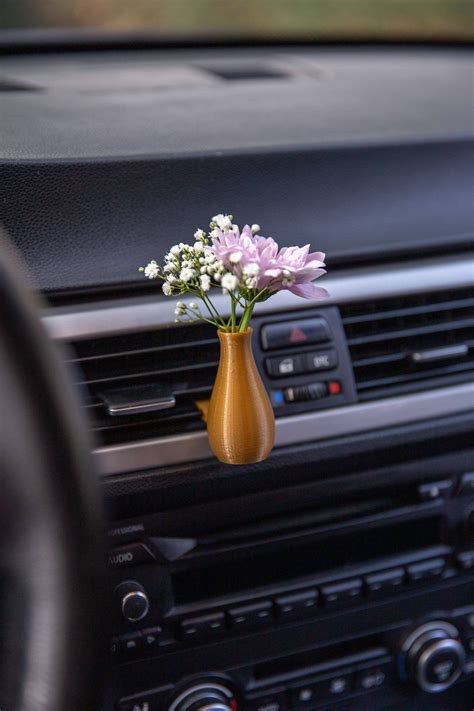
[339,572]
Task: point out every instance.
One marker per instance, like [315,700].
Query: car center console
[364,597]
[337,574]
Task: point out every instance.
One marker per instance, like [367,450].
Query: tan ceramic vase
[240,419]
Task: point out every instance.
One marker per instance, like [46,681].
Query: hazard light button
[292,334]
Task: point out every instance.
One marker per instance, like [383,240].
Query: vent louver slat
[182,360]
[411,343]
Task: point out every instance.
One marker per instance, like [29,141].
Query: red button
[334,388]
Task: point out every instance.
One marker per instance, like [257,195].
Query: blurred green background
[279,19]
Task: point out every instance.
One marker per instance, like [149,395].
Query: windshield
[379,20]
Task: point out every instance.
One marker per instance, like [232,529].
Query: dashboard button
[137,705]
[338,593]
[466,485]
[284,366]
[292,607]
[435,490]
[337,686]
[270,701]
[205,627]
[386,581]
[305,696]
[301,393]
[131,643]
[250,616]
[466,560]
[295,333]
[373,678]
[151,637]
[334,387]
[426,570]
[321,360]
[144,702]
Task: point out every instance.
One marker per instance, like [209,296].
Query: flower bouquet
[249,269]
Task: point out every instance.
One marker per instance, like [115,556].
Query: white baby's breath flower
[198,247]
[255,228]
[171,278]
[152,270]
[187,274]
[199,234]
[194,306]
[229,282]
[175,249]
[288,278]
[235,257]
[167,289]
[251,269]
[205,281]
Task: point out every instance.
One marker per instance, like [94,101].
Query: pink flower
[258,263]
[295,268]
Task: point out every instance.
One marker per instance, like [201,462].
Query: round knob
[433,656]
[134,602]
[205,696]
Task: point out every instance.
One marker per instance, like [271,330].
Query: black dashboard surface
[107,159]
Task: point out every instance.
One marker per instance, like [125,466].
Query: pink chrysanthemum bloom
[258,261]
[295,268]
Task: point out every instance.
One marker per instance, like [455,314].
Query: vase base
[241,462]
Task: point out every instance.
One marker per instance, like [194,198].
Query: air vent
[411,343]
[143,385]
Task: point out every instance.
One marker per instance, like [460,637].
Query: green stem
[247,315]
[233,317]
[211,308]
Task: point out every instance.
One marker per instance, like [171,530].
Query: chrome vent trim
[311,427]
[140,314]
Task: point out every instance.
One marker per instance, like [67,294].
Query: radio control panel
[363,600]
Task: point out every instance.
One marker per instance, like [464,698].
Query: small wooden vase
[240,420]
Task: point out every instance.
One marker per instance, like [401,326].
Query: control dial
[205,696]
[133,600]
[433,656]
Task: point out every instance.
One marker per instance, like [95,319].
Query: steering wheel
[51,543]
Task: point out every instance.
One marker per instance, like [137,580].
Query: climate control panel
[429,657]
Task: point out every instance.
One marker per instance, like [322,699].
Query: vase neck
[236,342]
